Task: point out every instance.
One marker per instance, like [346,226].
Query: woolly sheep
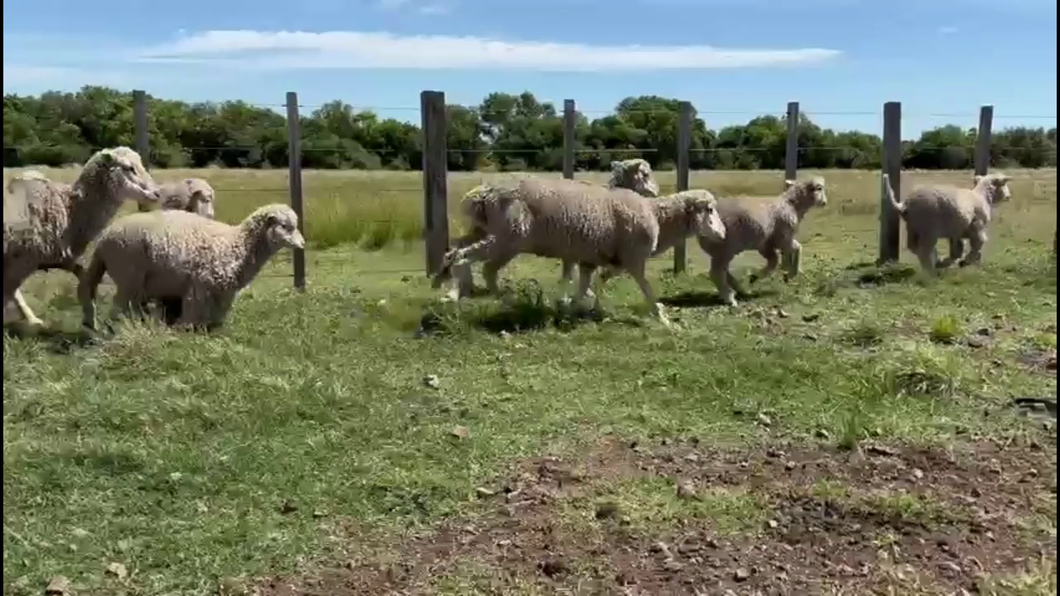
[193,195]
[633,174]
[765,224]
[944,211]
[166,255]
[59,220]
[586,224]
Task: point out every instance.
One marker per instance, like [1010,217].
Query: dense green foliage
[507,132]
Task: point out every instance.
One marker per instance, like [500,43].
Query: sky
[733,59]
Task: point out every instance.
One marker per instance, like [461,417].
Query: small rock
[459,432]
[811,317]
[822,434]
[741,575]
[432,381]
[711,543]
[782,313]
[975,342]
[883,450]
[686,490]
[763,420]
[319,513]
[117,570]
[58,586]
[772,524]
[918,473]
[984,331]
[789,466]
[951,567]
[660,547]
[692,458]
[484,492]
[79,532]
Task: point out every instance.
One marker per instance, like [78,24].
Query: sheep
[585,224]
[633,174]
[765,224]
[951,212]
[58,220]
[194,195]
[172,255]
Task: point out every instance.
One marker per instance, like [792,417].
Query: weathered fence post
[684,144]
[569,140]
[891,164]
[294,177]
[982,140]
[791,146]
[435,192]
[143,146]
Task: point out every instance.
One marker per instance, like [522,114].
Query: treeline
[504,132]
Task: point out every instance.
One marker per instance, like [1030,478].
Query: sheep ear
[788,184]
[644,167]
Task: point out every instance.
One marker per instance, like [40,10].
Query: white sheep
[765,224]
[945,211]
[633,174]
[174,255]
[57,221]
[585,224]
[194,195]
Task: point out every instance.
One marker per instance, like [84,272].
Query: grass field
[850,432]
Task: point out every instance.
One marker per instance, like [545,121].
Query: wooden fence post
[435,165]
[982,140]
[294,177]
[791,154]
[569,140]
[891,164]
[684,143]
[143,146]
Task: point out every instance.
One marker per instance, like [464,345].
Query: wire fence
[436,154]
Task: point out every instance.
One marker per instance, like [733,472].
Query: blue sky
[732,58]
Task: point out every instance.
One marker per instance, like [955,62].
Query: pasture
[852,431]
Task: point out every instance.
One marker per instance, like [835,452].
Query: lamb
[172,255]
[194,195]
[585,224]
[57,221]
[951,212]
[633,174]
[765,224]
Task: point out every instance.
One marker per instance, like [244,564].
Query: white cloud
[435,9]
[366,50]
[430,8]
[947,30]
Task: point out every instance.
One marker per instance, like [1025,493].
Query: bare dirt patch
[675,518]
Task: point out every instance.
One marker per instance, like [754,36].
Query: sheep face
[809,192]
[201,197]
[995,186]
[126,176]
[704,212]
[281,228]
[636,175]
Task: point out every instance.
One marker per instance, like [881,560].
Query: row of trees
[507,132]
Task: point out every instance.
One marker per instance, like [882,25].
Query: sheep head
[279,226]
[994,187]
[806,193]
[702,210]
[201,194]
[122,171]
[634,174]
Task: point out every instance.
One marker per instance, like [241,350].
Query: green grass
[190,458]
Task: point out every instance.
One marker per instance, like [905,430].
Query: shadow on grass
[58,341]
[700,299]
[522,309]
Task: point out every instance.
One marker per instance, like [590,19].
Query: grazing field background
[331,440]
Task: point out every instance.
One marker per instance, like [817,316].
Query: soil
[982,496]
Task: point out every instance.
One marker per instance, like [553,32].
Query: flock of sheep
[620,226]
[180,257]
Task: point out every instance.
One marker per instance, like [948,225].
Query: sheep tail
[899,207]
[88,283]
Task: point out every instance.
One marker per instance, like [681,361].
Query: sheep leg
[976,240]
[585,280]
[566,276]
[459,261]
[719,273]
[769,253]
[492,267]
[956,252]
[792,260]
[654,307]
[927,255]
[25,311]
